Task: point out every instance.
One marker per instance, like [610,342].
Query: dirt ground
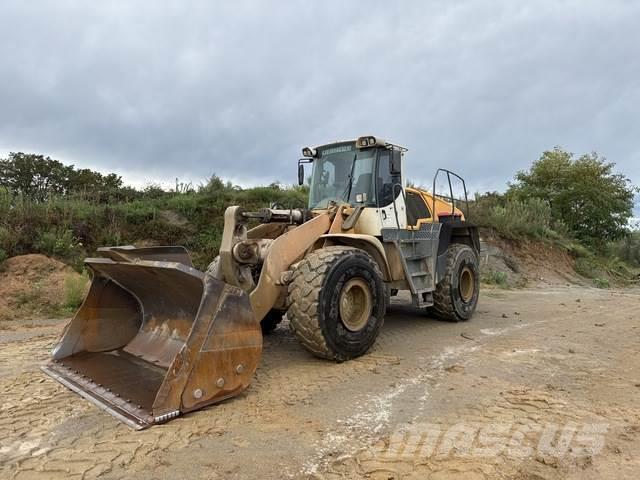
[33,285]
[556,370]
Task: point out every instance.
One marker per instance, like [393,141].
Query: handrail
[393,194]
[453,200]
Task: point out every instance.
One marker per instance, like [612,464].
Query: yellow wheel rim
[356,304]
[467,284]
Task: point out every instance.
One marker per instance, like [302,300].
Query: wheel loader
[155,337]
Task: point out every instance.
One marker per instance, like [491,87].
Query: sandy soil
[32,284]
[530,360]
[529,262]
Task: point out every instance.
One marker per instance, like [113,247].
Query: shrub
[3,255]
[601,282]
[627,249]
[514,218]
[5,238]
[74,290]
[495,277]
[578,250]
[588,267]
[57,243]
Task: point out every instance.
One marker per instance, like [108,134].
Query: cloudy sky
[162,89]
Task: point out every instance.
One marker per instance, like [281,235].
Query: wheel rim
[467,284]
[355,304]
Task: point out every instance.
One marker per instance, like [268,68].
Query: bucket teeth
[134,416]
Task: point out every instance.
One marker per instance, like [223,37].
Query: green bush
[74,290]
[59,243]
[3,255]
[513,218]
[601,282]
[71,226]
[577,250]
[588,267]
[7,240]
[627,249]
[495,277]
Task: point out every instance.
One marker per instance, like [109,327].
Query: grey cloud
[157,90]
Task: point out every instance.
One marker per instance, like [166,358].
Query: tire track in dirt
[49,432]
[525,407]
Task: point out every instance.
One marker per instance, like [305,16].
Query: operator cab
[366,172]
[360,172]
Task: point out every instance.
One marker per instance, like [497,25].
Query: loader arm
[282,252]
[285,251]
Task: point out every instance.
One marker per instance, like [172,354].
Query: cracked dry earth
[539,367]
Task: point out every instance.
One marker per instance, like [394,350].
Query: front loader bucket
[155,337]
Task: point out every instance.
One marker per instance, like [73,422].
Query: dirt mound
[527,262]
[33,285]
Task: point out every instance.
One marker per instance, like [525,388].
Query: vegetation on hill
[48,207]
[578,204]
[73,216]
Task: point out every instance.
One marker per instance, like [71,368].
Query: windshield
[343,174]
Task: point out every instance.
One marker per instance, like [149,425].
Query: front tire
[456,295]
[337,302]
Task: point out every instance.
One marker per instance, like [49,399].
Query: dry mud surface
[541,384]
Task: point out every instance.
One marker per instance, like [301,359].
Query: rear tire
[456,296]
[337,302]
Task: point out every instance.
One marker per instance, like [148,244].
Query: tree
[32,175]
[38,177]
[584,193]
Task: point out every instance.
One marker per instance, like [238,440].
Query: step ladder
[418,250]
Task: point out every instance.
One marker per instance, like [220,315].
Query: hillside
[35,285]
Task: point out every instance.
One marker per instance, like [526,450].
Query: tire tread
[304,297]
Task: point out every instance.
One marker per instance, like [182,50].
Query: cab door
[390,185]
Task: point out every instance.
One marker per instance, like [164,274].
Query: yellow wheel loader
[155,337]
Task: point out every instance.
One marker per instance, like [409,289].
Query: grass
[618,264]
[513,218]
[74,290]
[73,227]
[495,277]
[30,297]
[601,283]
[604,271]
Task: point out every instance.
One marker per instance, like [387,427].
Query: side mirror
[300,174]
[396,163]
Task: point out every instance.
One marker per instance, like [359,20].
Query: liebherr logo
[474,440]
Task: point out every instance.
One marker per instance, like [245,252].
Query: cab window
[385,180]
[416,208]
